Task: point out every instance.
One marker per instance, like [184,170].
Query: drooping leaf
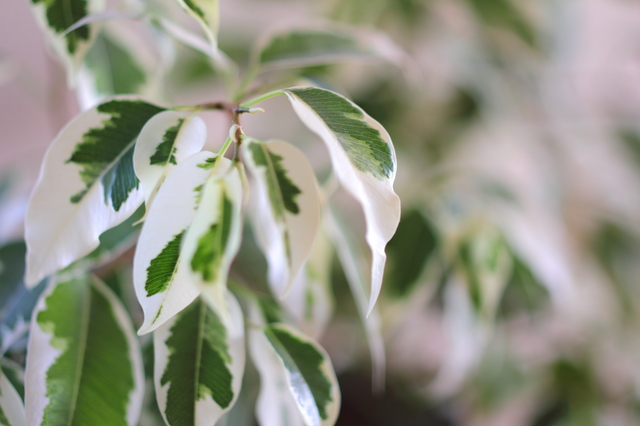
[286,211]
[84,364]
[364,161]
[56,16]
[11,407]
[309,374]
[356,268]
[207,13]
[166,139]
[199,364]
[160,274]
[87,185]
[213,239]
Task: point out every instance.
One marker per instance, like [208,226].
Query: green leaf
[114,68]
[87,185]
[302,47]
[199,364]
[409,250]
[364,161]
[84,364]
[11,407]
[106,152]
[309,373]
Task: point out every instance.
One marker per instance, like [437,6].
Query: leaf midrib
[86,310]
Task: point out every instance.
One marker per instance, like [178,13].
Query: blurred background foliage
[511,294]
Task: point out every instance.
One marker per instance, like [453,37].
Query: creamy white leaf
[86,186]
[165,141]
[160,273]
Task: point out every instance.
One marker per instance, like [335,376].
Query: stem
[223,150]
[259,99]
[246,81]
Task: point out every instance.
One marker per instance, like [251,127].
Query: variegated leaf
[286,210]
[199,364]
[160,274]
[189,239]
[84,364]
[310,300]
[309,374]
[207,13]
[11,407]
[56,16]
[276,405]
[364,161]
[166,139]
[87,185]
[356,269]
[214,237]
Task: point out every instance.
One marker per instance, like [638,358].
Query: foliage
[510,289]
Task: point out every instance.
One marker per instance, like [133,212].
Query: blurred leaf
[503,13]
[408,252]
[524,293]
[114,68]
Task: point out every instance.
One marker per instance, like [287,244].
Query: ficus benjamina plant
[131,171]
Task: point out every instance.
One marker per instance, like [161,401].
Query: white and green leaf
[160,273]
[87,185]
[309,373]
[364,161]
[56,16]
[167,139]
[310,300]
[199,364]
[286,210]
[207,13]
[12,411]
[84,364]
[213,239]
[357,267]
